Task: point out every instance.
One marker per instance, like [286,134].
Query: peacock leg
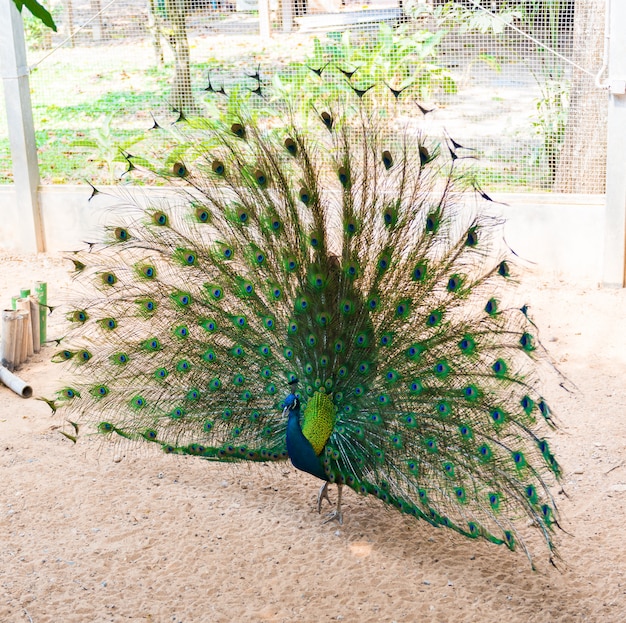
[336,514]
[322,495]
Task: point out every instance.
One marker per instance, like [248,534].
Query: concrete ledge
[561,236]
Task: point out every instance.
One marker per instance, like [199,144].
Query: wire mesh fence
[496,76]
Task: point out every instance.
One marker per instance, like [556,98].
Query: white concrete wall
[559,236]
[563,235]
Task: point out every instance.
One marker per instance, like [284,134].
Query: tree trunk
[181,97]
[154,26]
[582,163]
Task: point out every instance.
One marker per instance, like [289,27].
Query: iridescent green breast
[319,420]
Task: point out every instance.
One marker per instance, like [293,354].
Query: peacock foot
[322,495]
[334,515]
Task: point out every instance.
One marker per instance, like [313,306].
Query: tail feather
[316,248]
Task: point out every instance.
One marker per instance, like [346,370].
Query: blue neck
[300,451]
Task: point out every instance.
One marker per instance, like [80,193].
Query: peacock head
[292,402]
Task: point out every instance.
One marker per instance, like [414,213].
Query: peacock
[321,283]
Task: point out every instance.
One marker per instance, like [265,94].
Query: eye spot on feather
[180,170]
[497,415]
[527,404]
[519,459]
[160,218]
[432,222]
[419,272]
[472,237]
[466,432]
[491,307]
[454,283]
[526,342]
[500,368]
[485,453]
[260,178]
[122,234]
[304,196]
[291,146]
[444,408]
[386,339]
[109,279]
[344,176]
[202,215]
[434,318]
[238,130]
[416,387]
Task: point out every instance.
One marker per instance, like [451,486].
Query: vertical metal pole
[614,273]
[265,26]
[14,70]
[287,13]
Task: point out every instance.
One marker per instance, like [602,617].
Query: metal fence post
[265,24]
[14,68]
[615,228]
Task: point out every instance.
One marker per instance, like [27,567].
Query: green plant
[37,34]
[105,146]
[550,122]
[38,11]
[395,59]
[542,18]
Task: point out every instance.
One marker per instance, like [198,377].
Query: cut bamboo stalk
[34,323]
[9,338]
[15,383]
[23,305]
[20,344]
[41,292]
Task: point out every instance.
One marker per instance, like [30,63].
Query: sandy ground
[93,532]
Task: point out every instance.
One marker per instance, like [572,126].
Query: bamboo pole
[34,322]
[41,292]
[21,388]
[9,338]
[20,343]
[23,305]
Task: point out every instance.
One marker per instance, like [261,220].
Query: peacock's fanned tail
[361,262]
